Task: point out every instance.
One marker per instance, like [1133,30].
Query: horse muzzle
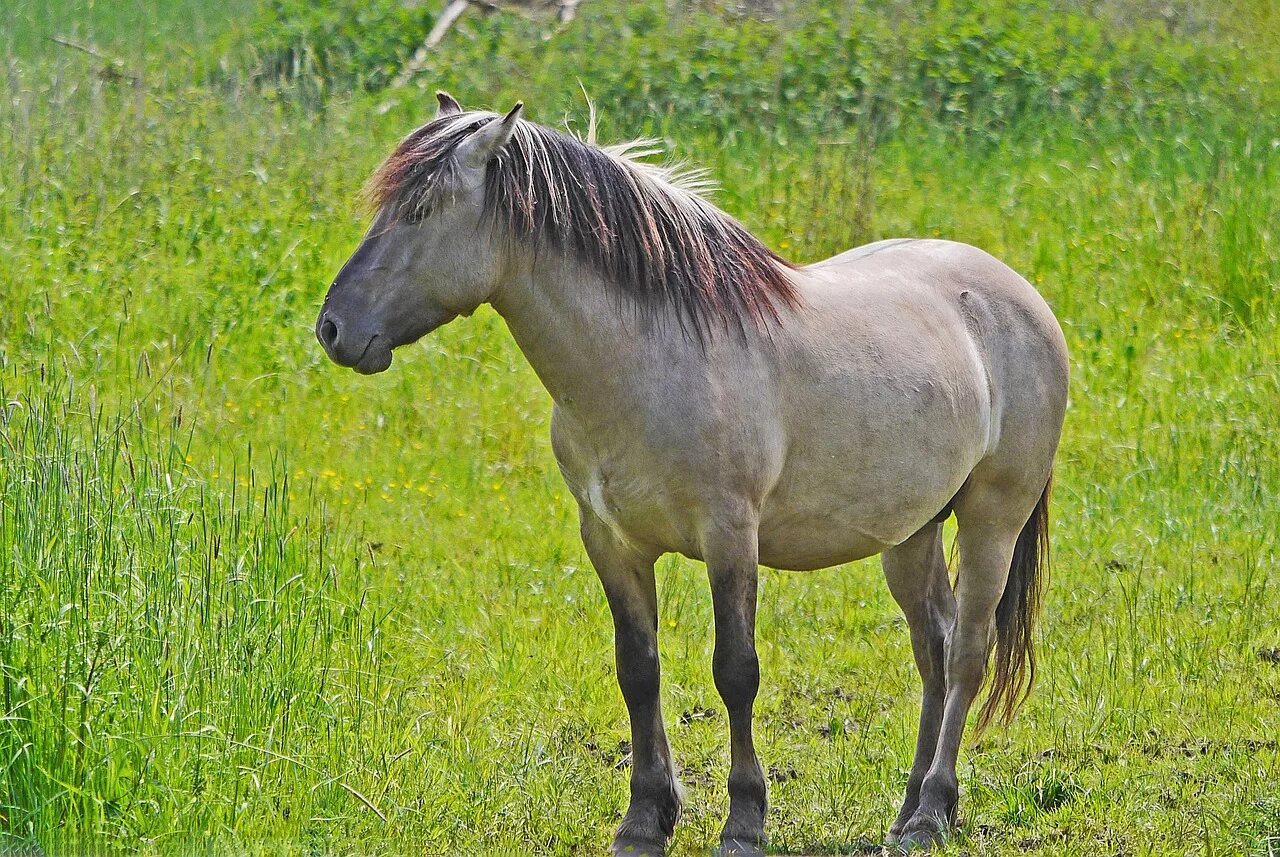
[366,352]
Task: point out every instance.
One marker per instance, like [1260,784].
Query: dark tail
[1014,666]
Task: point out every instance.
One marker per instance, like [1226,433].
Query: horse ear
[448,105]
[476,150]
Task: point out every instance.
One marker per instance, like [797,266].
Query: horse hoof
[627,847]
[734,847]
[918,836]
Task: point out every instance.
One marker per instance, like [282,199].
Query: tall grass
[167,651]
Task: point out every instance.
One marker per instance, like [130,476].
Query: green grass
[250,602]
[137,31]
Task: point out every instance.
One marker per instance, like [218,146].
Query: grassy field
[252,603]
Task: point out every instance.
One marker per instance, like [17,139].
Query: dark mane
[643,227]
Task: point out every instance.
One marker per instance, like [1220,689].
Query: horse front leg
[656,797]
[732,567]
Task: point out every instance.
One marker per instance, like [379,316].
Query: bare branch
[112,68]
[418,61]
[567,9]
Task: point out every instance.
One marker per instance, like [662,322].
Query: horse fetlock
[922,834]
[669,810]
[930,823]
[743,828]
[748,806]
[746,785]
[939,797]
[656,803]
[929,826]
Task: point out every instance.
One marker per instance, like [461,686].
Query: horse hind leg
[916,571]
[1002,527]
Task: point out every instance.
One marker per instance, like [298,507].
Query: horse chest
[639,494]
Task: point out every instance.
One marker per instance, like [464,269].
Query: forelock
[423,167]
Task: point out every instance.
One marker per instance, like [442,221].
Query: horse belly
[835,520]
[856,483]
[812,546]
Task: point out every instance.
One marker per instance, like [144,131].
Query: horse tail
[1014,668]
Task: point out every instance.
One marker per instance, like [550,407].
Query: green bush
[816,67]
[344,43]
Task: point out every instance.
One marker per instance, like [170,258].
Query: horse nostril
[328,333]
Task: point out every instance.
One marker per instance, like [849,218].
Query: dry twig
[567,10]
[112,69]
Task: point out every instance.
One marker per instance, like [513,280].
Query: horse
[714,400]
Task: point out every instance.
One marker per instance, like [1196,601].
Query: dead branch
[112,69]
[567,9]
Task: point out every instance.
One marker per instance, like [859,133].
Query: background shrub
[810,66]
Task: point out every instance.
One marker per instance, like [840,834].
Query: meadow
[251,603]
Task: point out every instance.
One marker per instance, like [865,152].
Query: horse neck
[587,343]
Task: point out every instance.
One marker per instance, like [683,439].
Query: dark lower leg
[939,792]
[737,676]
[628,581]
[655,798]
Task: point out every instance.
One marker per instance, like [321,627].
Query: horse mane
[645,227]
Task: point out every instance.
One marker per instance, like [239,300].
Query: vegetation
[251,603]
[968,64]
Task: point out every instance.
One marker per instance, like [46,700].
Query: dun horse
[714,400]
